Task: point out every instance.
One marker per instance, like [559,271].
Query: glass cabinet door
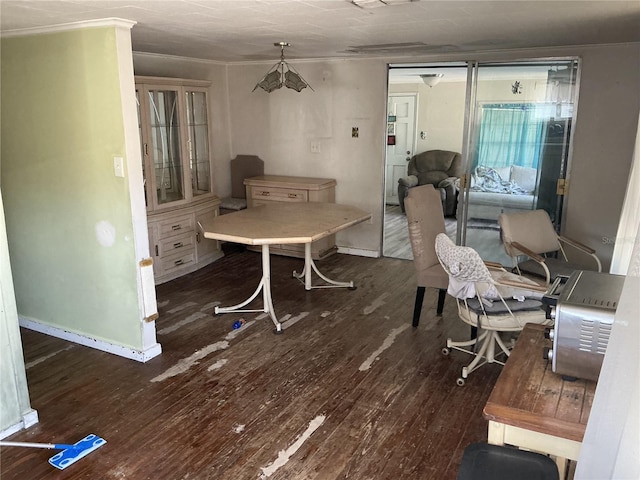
[165,148]
[198,143]
[173,121]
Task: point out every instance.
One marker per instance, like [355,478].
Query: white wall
[279,127]
[440,114]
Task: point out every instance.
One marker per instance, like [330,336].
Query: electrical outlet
[315,147]
[355,132]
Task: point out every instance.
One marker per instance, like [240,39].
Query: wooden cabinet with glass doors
[176,164]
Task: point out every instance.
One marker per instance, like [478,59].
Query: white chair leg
[480,355]
[504,348]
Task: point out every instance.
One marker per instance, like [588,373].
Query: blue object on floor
[79,450]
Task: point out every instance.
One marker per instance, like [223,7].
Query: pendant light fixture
[282,74]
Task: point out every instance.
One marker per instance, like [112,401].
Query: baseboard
[28,419]
[359,252]
[121,351]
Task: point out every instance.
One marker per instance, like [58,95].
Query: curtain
[510,134]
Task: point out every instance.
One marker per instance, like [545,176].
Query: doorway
[512,124]
[401,127]
[401,144]
[439,93]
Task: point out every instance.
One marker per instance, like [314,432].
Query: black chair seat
[482,461]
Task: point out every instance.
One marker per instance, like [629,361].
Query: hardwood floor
[349,391]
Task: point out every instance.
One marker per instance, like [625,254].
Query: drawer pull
[157,254]
[265,194]
[176,227]
[293,195]
[177,245]
[178,262]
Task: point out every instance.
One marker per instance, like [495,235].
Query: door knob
[408,158]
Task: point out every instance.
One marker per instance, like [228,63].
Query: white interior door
[400,141]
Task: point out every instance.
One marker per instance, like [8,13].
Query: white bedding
[490,195]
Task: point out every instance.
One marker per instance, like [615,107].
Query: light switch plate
[118,166]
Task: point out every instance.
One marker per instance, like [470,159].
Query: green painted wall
[69,221]
[14,394]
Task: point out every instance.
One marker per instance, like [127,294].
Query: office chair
[425,220]
[531,234]
[490,299]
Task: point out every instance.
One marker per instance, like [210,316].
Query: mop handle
[57,446]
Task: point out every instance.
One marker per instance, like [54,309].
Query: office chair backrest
[426,220]
[532,229]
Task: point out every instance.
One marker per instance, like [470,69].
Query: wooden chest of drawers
[280,188]
[176,242]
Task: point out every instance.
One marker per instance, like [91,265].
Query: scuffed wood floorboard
[223,404]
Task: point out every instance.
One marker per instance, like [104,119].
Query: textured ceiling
[245,30]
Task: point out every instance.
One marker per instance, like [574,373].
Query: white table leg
[265,286]
[307,262]
[310,265]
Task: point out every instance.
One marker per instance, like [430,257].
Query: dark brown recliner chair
[440,168]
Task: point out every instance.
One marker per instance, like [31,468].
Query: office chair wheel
[445,351]
[460,382]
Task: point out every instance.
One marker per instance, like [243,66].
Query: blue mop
[70,454]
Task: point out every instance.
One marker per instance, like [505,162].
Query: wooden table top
[530,396]
[280,223]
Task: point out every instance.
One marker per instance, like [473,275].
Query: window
[511,134]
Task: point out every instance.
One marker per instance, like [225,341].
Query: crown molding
[65,27]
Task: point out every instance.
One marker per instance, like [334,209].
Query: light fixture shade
[432,79]
[271,81]
[282,74]
[293,80]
